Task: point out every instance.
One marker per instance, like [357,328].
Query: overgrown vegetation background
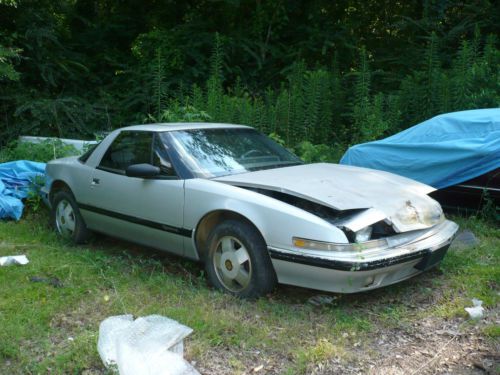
[317,75]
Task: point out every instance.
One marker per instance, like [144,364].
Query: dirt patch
[434,346]
[430,346]
[230,361]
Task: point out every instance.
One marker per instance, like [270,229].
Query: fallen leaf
[258,368]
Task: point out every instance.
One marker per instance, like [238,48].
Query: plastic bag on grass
[14,259]
[149,345]
[475,312]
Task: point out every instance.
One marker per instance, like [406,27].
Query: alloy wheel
[232,264]
[65,218]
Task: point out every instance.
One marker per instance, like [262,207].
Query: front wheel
[67,219]
[238,262]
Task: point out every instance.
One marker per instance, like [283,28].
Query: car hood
[398,200]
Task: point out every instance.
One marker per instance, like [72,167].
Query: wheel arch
[58,185]
[208,222]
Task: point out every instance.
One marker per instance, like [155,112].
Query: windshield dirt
[226,151]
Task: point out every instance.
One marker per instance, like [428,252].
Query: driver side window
[127,149]
[161,158]
[137,148]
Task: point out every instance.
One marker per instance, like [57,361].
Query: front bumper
[364,269]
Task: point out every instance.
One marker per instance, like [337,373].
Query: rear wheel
[238,262]
[67,219]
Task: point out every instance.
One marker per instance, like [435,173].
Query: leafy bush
[306,71]
[176,113]
[490,212]
[7,71]
[34,200]
[42,152]
[276,138]
[318,107]
[318,153]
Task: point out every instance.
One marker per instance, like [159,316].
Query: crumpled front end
[371,195]
[350,268]
[386,227]
[410,216]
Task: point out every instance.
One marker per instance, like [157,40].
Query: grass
[55,329]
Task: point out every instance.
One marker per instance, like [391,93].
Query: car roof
[171,126]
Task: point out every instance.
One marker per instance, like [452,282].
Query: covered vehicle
[253,212]
[17,180]
[457,153]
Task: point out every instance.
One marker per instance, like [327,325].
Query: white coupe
[253,212]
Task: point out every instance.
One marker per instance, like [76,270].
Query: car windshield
[225,151]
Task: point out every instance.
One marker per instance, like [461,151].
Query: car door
[148,211]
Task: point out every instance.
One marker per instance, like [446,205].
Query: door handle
[95,181]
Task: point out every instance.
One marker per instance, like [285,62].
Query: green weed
[46,327]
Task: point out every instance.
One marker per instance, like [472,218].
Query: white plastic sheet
[13,259]
[475,312]
[150,345]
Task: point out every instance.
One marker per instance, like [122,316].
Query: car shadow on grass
[420,291]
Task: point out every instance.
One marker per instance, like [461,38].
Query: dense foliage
[310,72]
[41,152]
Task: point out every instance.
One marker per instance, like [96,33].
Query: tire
[237,260]
[67,219]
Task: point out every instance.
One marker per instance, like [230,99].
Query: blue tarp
[443,151]
[16,180]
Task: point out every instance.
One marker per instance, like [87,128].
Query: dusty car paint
[363,269]
[345,187]
[322,202]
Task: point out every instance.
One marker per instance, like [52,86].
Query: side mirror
[142,170]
